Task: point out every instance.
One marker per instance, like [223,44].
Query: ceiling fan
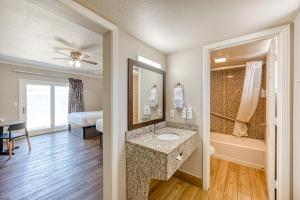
[76,56]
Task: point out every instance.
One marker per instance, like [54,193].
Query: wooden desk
[2,126]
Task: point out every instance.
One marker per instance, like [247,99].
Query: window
[61,105]
[38,107]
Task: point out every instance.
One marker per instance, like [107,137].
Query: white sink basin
[168,136]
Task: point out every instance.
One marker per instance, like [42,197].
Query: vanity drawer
[177,157]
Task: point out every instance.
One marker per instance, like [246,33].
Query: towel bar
[225,117]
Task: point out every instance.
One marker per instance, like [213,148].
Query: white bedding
[85,118]
[99,125]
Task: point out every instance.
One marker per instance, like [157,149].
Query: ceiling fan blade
[61,58]
[64,42]
[63,48]
[90,62]
[89,46]
[62,53]
[84,55]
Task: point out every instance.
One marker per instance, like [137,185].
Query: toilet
[212,150]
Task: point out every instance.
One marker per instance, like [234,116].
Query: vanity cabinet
[151,158]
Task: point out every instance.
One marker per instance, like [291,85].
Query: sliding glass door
[43,105]
[38,98]
[61,96]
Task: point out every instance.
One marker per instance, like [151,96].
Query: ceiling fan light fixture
[77,64]
[71,62]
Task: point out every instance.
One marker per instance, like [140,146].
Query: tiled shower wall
[226,93]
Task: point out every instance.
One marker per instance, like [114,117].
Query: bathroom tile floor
[229,181]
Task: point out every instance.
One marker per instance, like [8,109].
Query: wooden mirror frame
[131,64]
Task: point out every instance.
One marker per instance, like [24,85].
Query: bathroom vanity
[155,155]
[155,149]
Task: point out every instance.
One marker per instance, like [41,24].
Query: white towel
[178,99]
[153,97]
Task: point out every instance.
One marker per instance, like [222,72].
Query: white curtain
[250,97]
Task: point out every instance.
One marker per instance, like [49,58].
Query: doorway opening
[222,119]
[53,94]
[243,103]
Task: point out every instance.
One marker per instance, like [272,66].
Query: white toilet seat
[212,150]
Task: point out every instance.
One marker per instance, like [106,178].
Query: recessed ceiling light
[230,76]
[220,60]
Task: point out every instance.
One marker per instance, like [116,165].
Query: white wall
[9,88]
[296,117]
[129,47]
[186,67]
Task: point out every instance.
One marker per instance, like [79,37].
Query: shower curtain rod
[230,67]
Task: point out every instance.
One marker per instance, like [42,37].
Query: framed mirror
[146,95]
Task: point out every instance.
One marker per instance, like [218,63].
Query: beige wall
[296,117]
[186,67]
[9,88]
[129,47]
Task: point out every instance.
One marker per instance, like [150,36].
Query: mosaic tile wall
[226,92]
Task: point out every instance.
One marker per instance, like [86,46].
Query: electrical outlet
[172,113]
[160,112]
[190,113]
[16,104]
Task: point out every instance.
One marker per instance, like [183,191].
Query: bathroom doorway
[238,115]
[245,114]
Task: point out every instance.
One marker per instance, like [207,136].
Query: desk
[2,126]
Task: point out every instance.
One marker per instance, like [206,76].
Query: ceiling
[174,25]
[30,35]
[241,54]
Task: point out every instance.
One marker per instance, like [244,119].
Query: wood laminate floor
[229,181]
[60,166]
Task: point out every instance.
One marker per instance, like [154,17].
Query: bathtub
[245,151]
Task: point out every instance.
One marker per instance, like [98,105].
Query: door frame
[284,103]
[23,101]
[271,124]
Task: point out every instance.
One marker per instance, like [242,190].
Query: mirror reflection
[147,93]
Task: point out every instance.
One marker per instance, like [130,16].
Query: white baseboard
[241,162]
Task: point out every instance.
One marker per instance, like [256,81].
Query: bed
[99,128]
[83,124]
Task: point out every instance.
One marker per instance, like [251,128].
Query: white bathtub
[245,151]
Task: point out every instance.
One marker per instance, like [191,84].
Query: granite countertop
[150,140]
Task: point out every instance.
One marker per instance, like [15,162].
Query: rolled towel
[153,97]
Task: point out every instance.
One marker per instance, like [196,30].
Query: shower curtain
[250,97]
